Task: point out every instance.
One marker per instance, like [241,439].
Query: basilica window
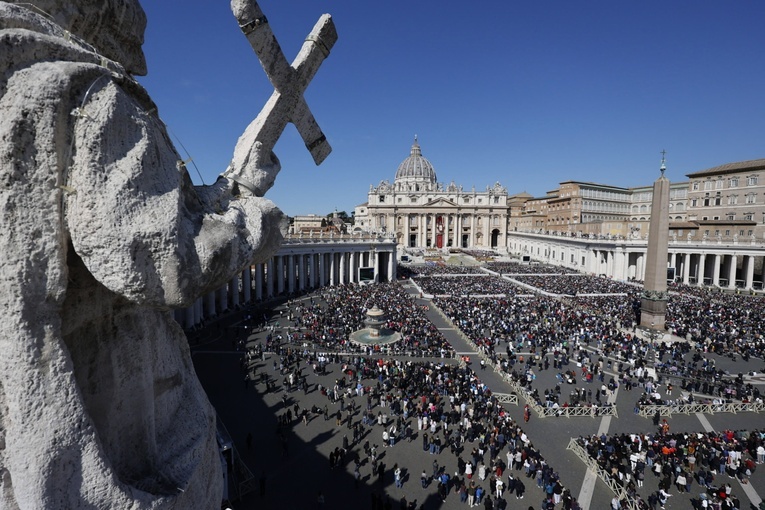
[381,199]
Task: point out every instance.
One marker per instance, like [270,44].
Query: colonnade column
[279,274]
[391,267]
[639,266]
[749,272]
[716,272]
[686,268]
[233,291]
[322,270]
[247,284]
[702,269]
[270,276]
[341,279]
[302,272]
[290,273]
[732,272]
[354,271]
[471,237]
[259,281]
[332,269]
[376,262]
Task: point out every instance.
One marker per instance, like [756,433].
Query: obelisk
[653,300]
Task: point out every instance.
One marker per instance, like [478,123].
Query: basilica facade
[424,213]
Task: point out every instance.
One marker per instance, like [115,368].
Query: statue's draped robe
[102,235]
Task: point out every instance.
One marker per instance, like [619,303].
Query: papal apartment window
[707,185]
[733,200]
[751,198]
[733,182]
[695,186]
[694,202]
[749,216]
[752,180]
[719,184]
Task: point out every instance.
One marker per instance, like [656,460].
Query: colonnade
[730,266]
[301,264]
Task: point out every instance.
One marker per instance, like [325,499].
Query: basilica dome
[415,168]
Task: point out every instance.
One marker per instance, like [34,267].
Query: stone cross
[287,104]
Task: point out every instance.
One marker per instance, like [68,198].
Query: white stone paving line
[747,488]
[588,484]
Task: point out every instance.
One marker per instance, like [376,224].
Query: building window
[731,216]
[382,199]
[733,200]
[706,232]
[751,180]
[733,182]
[719,183]
[496,200]
[696,186]
[749,216]
[400,200]
[707,185]
[694,202]
[717,232]
[751,198]
[740,233]
[718,198]
[749,233]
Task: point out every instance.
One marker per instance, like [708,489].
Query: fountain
[374,333]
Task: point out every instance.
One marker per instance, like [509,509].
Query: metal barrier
[612,483]
[590,411]
[648,411]
[506,398]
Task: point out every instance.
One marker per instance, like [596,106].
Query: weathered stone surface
[103,234]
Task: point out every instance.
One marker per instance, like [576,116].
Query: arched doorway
[494,237]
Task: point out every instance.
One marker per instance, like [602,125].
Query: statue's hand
[253,169]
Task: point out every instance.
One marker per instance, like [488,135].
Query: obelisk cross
[287,104]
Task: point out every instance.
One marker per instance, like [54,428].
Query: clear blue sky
[526,93]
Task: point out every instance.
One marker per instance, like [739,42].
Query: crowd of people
[468,285]
[588,340]
[514,268]
[327,320]
[572,285]
[680,460]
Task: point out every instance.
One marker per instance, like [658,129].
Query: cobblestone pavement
[297,468]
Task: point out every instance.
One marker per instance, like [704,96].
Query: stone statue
[104,234]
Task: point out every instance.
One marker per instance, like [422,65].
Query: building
[423,213]
[727,202]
